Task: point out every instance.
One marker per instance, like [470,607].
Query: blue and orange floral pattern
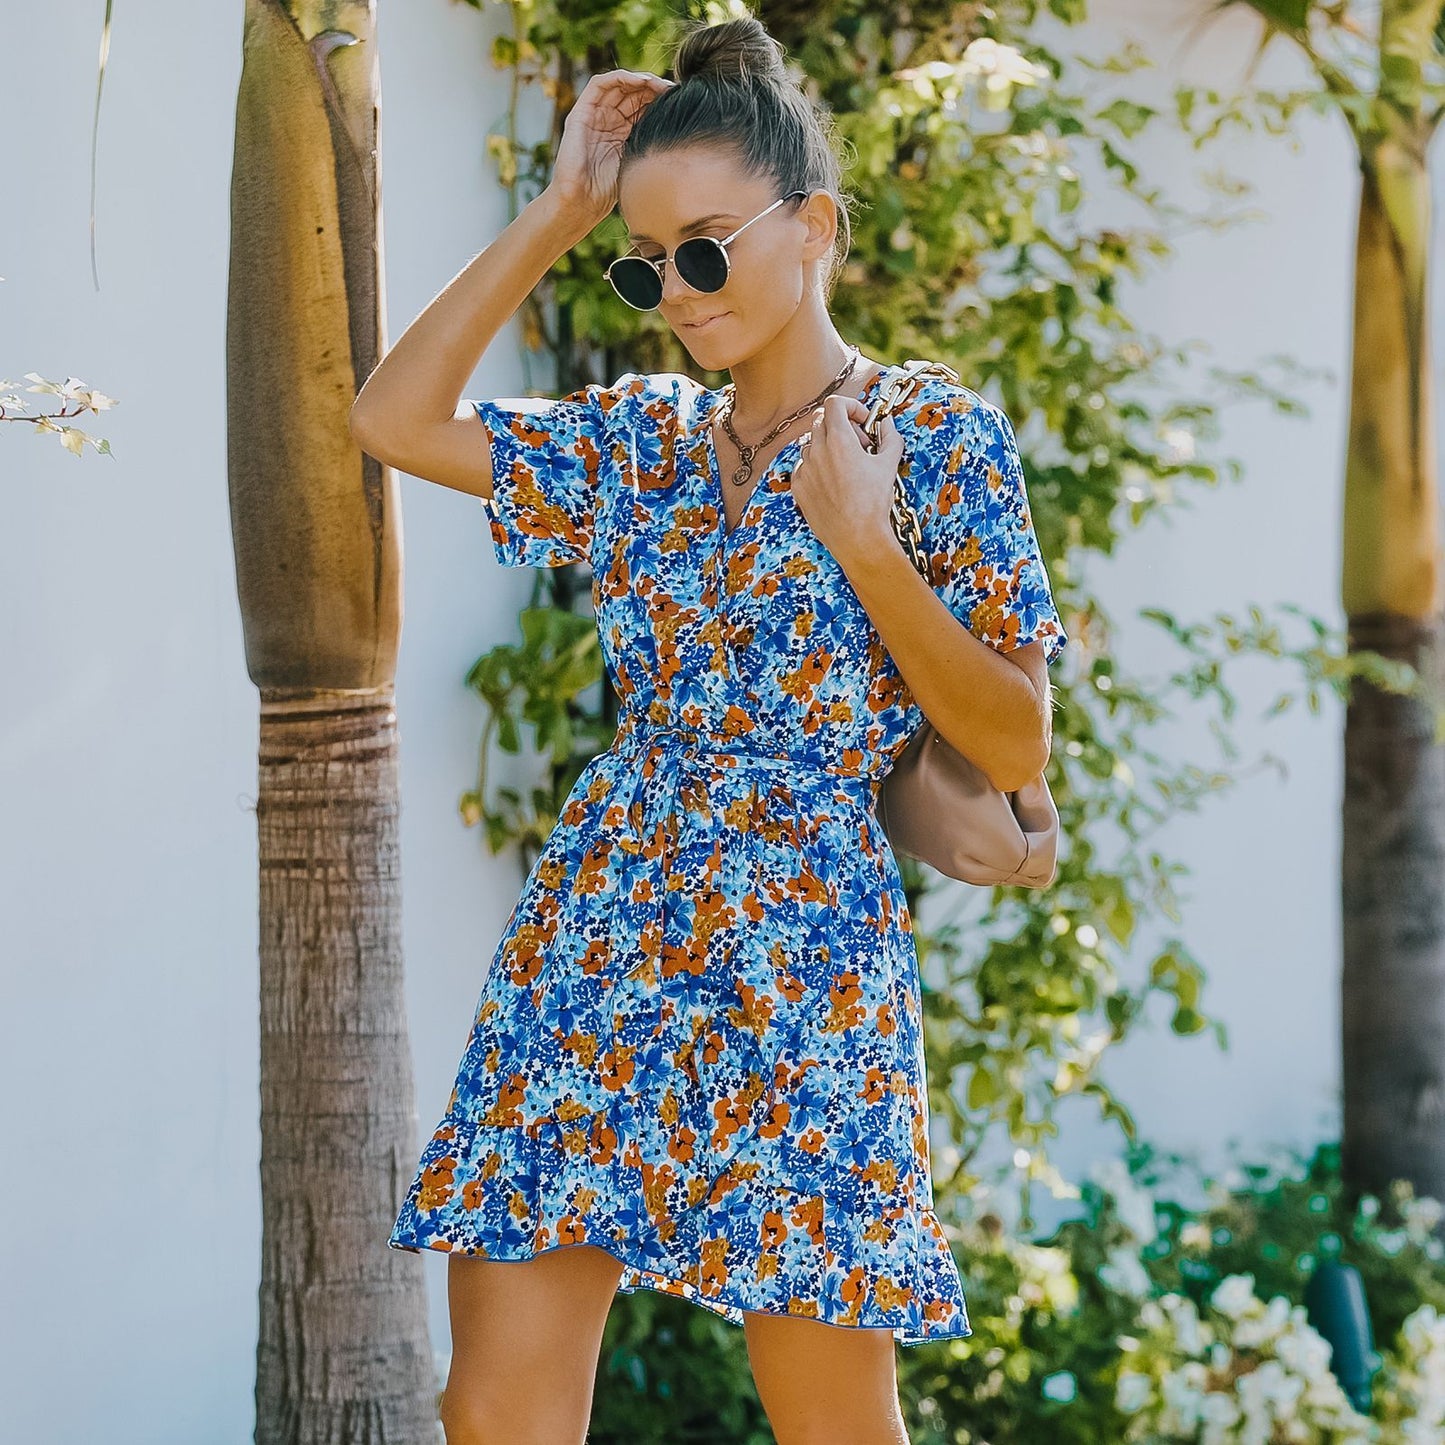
[699,1045]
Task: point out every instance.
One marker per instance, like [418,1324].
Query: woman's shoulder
[955,439]
[944,417]
[941,391]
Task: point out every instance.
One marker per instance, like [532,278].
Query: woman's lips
[704,325]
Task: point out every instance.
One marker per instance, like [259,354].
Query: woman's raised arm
[408,414]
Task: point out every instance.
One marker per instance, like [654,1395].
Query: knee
[466,1422]
[836,1417]
[886,1430]
[517,1418]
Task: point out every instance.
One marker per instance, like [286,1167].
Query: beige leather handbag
[935,805]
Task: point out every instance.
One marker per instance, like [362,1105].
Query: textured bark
[343,1355]
[1393,980]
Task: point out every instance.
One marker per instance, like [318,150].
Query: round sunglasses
[702,262]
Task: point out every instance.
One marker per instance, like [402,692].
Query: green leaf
[982,1088]
[1127,116]
[1187,1021]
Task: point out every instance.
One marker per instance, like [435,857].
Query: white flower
[1305,1351]
[1047,1276]
[1269,1391]
[1183,1400]
[1421,1216]
[1260,1327]
[1234,1295]
[1185,1317]
[1000,63]
[1219,1412]
[1132,1391]
[1179,444]
[1422,1373]
[1424,1330]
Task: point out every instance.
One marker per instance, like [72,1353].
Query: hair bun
[738,50]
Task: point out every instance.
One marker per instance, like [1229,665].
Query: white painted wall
[130,1209]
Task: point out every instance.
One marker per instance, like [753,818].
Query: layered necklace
[743,475]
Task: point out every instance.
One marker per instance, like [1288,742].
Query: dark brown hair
[733,90]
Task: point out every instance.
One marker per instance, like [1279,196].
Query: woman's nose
[674,288]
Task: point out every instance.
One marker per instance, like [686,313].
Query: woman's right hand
[584,172]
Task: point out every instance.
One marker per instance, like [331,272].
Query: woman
[696,1064]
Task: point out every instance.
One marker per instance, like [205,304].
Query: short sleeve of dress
[987,566]
[548,458]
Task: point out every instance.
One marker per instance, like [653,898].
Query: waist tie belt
[675,766]
[637,737]
[669,762]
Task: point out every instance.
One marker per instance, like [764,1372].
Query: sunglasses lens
[636,282]
[702,263]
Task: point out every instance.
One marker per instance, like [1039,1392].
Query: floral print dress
[699,1045]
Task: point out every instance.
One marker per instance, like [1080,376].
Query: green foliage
[1068,1329]
[1377,66]
[539,684]
[1278,1223]
[672,1373]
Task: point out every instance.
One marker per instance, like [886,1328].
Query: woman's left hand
[844,491]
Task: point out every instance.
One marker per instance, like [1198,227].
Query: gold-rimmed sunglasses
[702,262]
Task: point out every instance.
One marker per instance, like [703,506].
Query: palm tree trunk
[343,1353]
[1392,882]
[1393,859]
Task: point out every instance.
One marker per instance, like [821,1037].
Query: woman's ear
[820,211]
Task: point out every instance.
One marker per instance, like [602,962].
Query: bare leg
[525,1339]
[825,1384]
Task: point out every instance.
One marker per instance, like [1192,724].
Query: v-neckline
[715,468]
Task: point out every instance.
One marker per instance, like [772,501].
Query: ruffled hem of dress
[459,1226]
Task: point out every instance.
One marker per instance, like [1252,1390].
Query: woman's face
[701,191]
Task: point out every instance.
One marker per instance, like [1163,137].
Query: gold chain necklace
[741,477]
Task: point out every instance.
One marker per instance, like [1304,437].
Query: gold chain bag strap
[935,805]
